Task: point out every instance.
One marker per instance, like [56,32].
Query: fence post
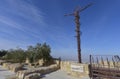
[90,67]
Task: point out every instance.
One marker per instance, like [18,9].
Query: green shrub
[16,55]
[33,53]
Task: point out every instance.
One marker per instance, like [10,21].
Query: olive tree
[16,55]
[33,53]
[3,53]
[39,51]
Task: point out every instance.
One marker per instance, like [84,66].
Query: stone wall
[44,70]
[75,69]
[72,68]
[2,61]
[40,62]
[13,66]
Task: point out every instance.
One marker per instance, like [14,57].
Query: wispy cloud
[26,10]
[16,25]
[21,20]
[10,23]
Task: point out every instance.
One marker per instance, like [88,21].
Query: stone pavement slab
[5,73]
[60,75]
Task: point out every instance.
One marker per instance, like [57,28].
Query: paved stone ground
[60,75]
[4,73]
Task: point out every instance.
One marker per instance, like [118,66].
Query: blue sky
[27,22]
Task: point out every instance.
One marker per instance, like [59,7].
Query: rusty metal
[104,67]
[77,17]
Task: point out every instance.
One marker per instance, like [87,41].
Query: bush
[3,53]
[39,51]
[16,55]
[33,53]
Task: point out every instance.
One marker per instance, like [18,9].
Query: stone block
[22,74]
[33,76]
[27,61]
[74,68]
[2,61]
[6,65]
[41,62]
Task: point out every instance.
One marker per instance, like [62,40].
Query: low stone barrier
[42,70]
[13,67]
[16,67]
[2,61]
[75,69]
[39,62]
[33,76]
[6,65]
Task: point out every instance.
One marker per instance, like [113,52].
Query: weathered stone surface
[16,67]
[66,66]
[58,62]
[33,76]
[23,73]
[27,61]
[13,67]
[6,65]
[2,61]
[41,62]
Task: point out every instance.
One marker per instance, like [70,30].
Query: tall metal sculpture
[77,17]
